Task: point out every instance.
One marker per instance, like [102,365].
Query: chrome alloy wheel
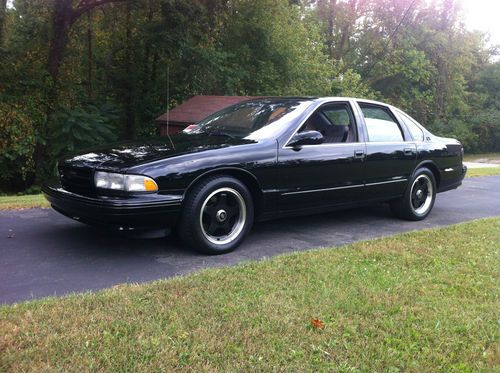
[223,216]
[421,194]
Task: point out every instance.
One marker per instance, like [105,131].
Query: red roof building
[194,110]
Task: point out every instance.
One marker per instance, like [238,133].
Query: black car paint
[284,180]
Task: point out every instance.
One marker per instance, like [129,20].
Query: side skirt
[312,211]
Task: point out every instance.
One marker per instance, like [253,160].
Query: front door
[327,174]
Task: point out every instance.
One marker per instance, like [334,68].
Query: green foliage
[271,52]
[143,56]
[489,83]
[458,129]
[350,84]
[478,132]
[486,125]
[483,117]
[17,145]
[82,127]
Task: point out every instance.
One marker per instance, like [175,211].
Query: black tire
[216,215]
[419,197]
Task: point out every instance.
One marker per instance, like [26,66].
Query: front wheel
[419,197]
[217,215]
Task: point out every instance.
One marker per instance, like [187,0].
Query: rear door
[327,174]
[390,153]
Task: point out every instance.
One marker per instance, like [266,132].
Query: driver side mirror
[306,138]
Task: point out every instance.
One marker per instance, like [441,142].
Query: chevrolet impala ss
[257,160]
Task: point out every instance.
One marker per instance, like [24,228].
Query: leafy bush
[486,125]
[17,145]
[478,132]
[459,130]
[351,84]
[82,127]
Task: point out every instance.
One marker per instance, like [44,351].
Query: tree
[270,51]
[3,10]
[63,17]
[73,72]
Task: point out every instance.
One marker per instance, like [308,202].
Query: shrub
[459,130]
[479,132]
[17,146]
[82,127]
[486,125]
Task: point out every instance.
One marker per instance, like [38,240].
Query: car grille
[77,180]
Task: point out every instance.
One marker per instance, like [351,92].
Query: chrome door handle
[359,154]
[408,151]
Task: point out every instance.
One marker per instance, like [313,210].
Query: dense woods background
[83,72]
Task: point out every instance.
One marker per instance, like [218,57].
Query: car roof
[339,98]
[317,99]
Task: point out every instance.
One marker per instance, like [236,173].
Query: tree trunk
[146,82]
[61,24]
[344,37]
[129,95]
[332,14]
[154,67]
[3,7]
[89,56]
[444,78]
[62,20]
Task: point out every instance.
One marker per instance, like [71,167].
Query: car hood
[120,156]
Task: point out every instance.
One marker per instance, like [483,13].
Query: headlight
[128,183]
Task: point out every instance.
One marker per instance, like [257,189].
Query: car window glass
[339,116]
[244,119]
[380,124]
[334,122]
[415,130]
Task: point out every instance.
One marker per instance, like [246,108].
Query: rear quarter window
[413,127]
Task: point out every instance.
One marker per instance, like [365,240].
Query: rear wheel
[419,197]
[217,215]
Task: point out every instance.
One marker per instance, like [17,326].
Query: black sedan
[258,160]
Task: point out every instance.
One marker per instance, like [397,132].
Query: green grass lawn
[22,202]
[489,171]
[485,156]
[421,302]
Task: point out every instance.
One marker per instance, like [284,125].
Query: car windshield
[244,119]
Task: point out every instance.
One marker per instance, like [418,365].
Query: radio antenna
[168,107]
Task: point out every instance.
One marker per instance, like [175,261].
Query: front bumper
[139,211]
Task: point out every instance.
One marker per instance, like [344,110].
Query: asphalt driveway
[43,253]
